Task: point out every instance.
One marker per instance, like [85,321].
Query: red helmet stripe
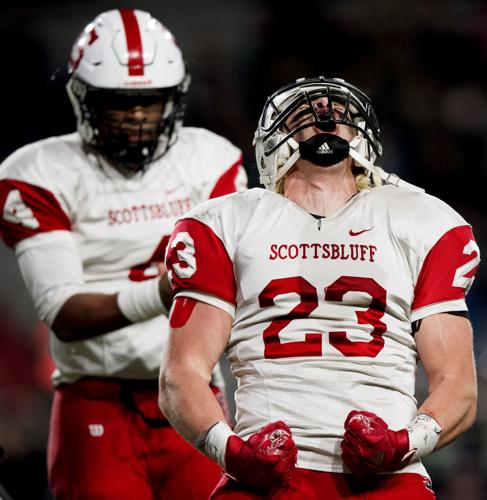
[134,42]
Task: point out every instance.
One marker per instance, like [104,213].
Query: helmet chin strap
[386,177]
[282,171]
[290,161]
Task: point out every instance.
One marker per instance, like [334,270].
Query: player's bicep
[198,335]
[202,276]
[445,347]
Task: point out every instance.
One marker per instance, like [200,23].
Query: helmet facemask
[296,107]
[108,122]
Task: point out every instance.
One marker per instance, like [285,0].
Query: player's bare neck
[319,190]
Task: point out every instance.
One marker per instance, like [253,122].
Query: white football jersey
[323,308]
[57,199]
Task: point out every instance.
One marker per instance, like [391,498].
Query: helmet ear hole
[127,54]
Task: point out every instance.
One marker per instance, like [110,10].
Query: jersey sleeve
[52,271]
[199,265]
[27,210]
[446,274]
[232,180]
[215,165]
[439,247]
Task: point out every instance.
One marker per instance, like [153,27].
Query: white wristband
[424,433]
[214,442]
[141,301]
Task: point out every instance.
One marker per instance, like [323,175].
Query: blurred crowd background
[422,62]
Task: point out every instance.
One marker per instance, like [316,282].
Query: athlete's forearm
[188,402]
[197,338]
[453,403]
[88,315]
[444,345]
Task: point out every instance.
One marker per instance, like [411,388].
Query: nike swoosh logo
[173,190]
[356,233]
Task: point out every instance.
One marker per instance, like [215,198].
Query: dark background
[422,62]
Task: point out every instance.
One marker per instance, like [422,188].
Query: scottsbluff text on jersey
[333,251]
[140,213]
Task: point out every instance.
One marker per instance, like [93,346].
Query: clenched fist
[369,446]
[266,459]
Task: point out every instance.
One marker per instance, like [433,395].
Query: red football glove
[267,459]
[369,446]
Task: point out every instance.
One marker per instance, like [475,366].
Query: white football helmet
[127,54]
[276,149]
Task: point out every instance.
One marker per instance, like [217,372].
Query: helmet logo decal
[324,149]
[74,63]
[134,42]
[93,36]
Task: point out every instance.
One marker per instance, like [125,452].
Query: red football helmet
[126,58]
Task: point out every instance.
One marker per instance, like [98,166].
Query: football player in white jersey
[89,216]
[324,290]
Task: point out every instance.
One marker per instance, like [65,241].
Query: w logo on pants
[96,430]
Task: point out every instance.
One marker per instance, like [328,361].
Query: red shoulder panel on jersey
[226,183]
[448,269]
[27,210]
[197,260]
